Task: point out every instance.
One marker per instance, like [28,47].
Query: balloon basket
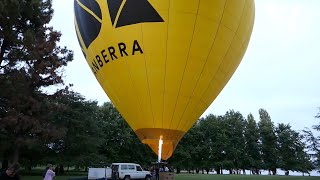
[164,171]
[166,176]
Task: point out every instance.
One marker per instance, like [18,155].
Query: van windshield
[139,168]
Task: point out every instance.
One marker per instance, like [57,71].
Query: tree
[253,145]
[205,141]
[313,142]
[268,142]
[234,152]
[30,61]
[292,156]
[82,139]
[189,147]
[197,147]
[304,162]
[216,141]
[317,142]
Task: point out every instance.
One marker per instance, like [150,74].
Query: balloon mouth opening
[157,142]
[168,138]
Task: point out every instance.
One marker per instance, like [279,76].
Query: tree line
[38,126]
[235,143]
[86,134]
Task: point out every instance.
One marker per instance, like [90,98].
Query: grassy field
[208,177]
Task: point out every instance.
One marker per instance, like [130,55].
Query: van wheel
[148,178]
[127,178]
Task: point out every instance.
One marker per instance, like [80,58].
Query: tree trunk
[15,158]
[230,171]
[217,170]
[56,170]
[197,170]
[178,170]
[29,168]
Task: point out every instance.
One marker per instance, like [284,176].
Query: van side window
[130,167]
[124,167]
[139,168]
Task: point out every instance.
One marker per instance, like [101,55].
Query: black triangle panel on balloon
[89,26]
[133,12]
[114,6]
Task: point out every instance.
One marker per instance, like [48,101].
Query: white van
[129,171]
[126,171]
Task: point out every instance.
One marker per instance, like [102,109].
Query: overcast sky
[280,71]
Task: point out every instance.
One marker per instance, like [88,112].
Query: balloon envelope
[162,63]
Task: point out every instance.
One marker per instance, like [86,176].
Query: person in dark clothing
[61,170]
[157,173]
[11,173]
[115,173]
[56,170]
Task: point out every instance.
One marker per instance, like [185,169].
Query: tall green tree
[291,147]
[181,157]
[235,154]
[82,123]
[253,145]
[30,60]
[313,142]
[268,142]
[191,144]
[205,143]
[216,141]
[305,162]
[317,142]
[198,149]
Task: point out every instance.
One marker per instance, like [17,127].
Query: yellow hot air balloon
[163,62]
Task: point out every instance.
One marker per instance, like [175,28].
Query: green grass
[206,177]
[238,177]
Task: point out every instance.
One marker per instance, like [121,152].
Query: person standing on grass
[50,173]
[11,173]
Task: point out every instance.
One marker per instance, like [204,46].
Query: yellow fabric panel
[212,10]
[184,6]
[164,64]
[177,53]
